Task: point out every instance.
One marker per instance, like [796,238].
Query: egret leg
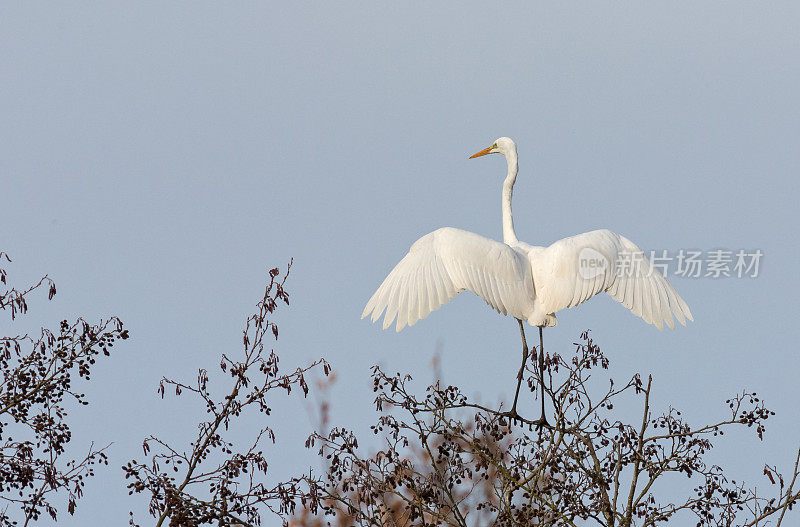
[513,412]
[542,420]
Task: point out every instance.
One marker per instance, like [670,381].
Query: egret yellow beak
[481,153]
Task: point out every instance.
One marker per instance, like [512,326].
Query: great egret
[529,283]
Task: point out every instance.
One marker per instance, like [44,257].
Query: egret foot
[541,423]
[512,415]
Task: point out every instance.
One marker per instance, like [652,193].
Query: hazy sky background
[156,159]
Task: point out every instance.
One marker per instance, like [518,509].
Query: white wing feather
[564,276]
[442,264]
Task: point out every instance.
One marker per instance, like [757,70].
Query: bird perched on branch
[527,282]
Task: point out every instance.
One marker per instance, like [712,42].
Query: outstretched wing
[442,264]
[574,269]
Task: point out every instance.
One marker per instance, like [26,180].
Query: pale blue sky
[156,159]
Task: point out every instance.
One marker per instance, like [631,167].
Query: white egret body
[530,283]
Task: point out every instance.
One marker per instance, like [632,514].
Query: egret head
[503,145]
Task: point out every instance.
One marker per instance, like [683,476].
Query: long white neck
[509,236]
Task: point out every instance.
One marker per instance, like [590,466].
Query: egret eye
[494,146]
